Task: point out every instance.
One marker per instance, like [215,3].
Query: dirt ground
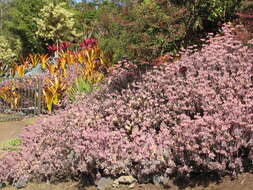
[242,182]
[11,129]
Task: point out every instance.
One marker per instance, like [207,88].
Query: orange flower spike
[62,63]
[25,61]
[15,100]
[20,69]
[44,59]
[51,68]
[48,98]
[80,58]
[34,59]
[70,58]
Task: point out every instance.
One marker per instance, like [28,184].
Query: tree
[207,13]
[56,23]
[21,23]
[4,7]
[9,50]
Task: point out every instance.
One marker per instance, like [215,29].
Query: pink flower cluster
[193,116]
[62,46]
[52,48]
[85,44]
[88,43]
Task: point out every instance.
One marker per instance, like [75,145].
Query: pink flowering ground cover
[193,116]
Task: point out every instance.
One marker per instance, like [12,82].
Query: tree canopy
[128,28]
[56,23]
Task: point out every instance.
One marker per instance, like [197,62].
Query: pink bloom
[88,43]
[64,45]
[52,48]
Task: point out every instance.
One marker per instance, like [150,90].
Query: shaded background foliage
[139,30]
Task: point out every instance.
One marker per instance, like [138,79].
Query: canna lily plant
[92,60]
[62,66]
[34,59]
[53,91]
[43,60]
[89,63]
[19,70]
[5,69]
[9,94]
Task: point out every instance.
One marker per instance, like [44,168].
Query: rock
[131,186]
[104,182]
[115,184]
[21,183]
[157,179]
[2,185]
[162,180]
[124,180]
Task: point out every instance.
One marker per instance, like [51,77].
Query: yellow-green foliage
[8,94]
[7,53]
[10,145]
[80,86]
[56,23]
[53,91]
[92,60]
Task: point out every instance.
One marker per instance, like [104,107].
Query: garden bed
[175,122]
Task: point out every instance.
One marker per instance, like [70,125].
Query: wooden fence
[20,97]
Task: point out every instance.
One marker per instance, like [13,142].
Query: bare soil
[242,182]
[12,129]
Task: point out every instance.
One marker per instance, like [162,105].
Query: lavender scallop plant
[193,116]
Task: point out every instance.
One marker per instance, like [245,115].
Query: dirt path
[11,129]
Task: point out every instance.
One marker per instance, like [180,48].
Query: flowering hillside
[194,115]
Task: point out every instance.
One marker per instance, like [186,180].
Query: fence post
[39,96]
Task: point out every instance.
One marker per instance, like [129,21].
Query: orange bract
[90,59]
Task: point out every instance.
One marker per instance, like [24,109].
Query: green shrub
[21,23]
[143,30]
[9,53]
[116,45]
[56,23]
[208,13]
[80,86]
[156,29]
[10,145]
